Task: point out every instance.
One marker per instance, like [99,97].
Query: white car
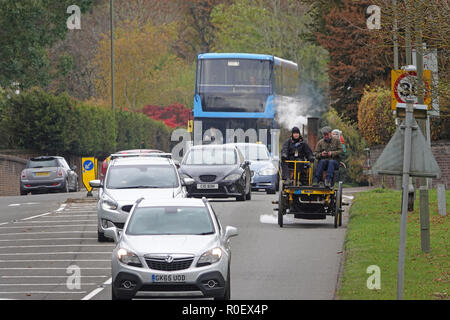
[129,179]
[174,248]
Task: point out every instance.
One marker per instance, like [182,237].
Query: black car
[218,171]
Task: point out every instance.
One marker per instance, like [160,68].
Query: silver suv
[129,179]
[174,248]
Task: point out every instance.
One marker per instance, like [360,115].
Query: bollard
[442,206]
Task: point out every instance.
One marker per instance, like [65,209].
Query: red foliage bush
[176,115]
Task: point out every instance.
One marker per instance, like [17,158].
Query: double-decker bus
[241,91]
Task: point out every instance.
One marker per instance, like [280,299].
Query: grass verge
[373,239]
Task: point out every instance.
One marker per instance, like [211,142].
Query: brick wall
[12,162]
[441,152]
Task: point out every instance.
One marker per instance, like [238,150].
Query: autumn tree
[277,27]
[375,119]
[355,59]
[146,71]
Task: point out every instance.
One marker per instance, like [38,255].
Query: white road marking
[58,245]
[43,284]
[65,277]
[57,221]
[42,292]
[348,197]
[14,205]
[49,253]
[42,232]
[70,216]
[46,239]
[34,268]
[49,227]
[63,260]
[97,291]
[39,215]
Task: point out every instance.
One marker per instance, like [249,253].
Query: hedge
[39,120]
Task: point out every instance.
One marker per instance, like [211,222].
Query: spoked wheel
[338,204]
[281,206]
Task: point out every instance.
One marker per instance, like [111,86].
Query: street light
[111,7]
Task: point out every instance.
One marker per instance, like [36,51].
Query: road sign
[88,170]
[403,85]
[430,62]
[423,163]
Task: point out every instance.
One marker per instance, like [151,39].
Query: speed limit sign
[403,87]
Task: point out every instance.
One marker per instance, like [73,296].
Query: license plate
[168,278]
[42,174]
[207,186]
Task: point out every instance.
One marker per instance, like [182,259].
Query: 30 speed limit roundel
[403,86]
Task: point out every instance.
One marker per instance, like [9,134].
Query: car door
[246,168]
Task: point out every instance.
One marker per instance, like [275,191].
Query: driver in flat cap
[328,151]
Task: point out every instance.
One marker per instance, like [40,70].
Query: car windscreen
[141,176]
[170,220]
[254,153]
[211,156]
[42,163]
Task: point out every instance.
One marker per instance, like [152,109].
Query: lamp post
[111,7]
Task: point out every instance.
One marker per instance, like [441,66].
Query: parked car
[48,173]
[171,248]
[218,171]
[130,178]
[125,152]
[263,168]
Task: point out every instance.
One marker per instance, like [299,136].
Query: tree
[27,30]
[277,27]
[375,119]
[146,71]
[428,22]
[355,59]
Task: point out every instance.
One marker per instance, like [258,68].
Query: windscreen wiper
[137,187]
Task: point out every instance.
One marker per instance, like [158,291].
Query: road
[46,243]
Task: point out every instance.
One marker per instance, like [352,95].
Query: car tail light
[60,173]
[24,175]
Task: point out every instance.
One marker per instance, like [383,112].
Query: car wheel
[101,237]
[241,198]
[249,195]
[23,193]
[116,297]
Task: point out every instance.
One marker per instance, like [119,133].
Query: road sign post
[405,186]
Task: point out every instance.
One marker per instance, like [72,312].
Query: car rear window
[170,220]
[42,163]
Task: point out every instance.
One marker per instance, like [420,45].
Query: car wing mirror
[95,184]
[188,181]
[112,233]
[230,232]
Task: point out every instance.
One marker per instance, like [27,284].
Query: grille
[169,287]
[175,265]
[207,178]
[127,208]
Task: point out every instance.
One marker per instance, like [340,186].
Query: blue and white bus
[241,91]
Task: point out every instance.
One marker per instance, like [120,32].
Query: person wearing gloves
[328,151]
[294,148]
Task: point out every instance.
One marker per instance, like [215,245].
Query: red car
[105,162]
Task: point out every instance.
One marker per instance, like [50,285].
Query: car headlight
[128,257]
[232,177]
[267,171]
[108,203]
[210,257]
